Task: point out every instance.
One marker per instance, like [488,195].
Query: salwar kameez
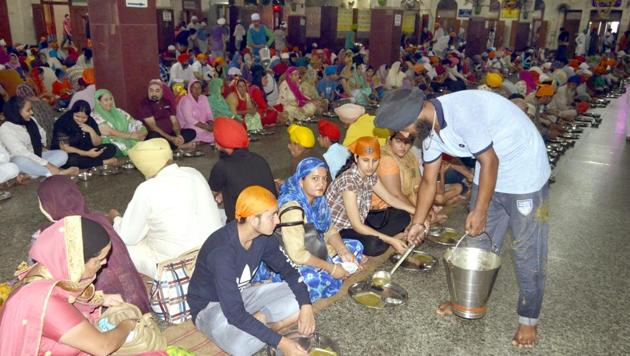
[320,283]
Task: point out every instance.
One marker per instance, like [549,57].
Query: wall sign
[313,19]
[364,20]
[397,20]
[464,12]
[137,3]
[344,21]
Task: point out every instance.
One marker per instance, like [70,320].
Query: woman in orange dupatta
[53,308]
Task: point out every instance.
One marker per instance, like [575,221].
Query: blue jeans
[55,157]
[526,215]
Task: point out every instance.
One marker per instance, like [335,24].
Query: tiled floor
[587,300]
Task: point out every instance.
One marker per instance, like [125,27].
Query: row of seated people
[177,201]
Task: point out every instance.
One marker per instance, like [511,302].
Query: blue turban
[330,70]
[575,79]
[317,213]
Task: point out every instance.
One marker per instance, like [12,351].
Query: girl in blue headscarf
[305,189]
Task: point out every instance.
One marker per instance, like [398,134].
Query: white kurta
[169,214]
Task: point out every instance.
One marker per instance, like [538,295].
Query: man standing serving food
[510,187]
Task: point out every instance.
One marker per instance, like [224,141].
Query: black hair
[95,238]
[81,106]
[12,114]
[516,96]
[349,163]
[87,53]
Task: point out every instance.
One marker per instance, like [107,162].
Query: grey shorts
[275,300]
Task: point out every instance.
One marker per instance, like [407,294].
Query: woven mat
[187,336]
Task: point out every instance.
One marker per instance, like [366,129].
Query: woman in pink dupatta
[297,105]
[59,197]
[53,309]
[193,112]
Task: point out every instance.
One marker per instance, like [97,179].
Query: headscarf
[114,117]
[254,200]
[217,102]
[395,77]
[301,135]
[575,79]
[230,133]
[294,87]
[544,90]
[272,93]
[317,213]
[329,129]
[494,80]
[234,63]
[12,114]
[349,113]
[60,197]
[88,76]
[59,252]
[151,156]
[529,80]
[366,146]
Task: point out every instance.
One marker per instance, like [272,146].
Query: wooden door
[499,34]
[572,24]
[165,28]
[513,31]
[476,36]
[79,19]
[521,36]
[296,36]
[5,29]
[39,21]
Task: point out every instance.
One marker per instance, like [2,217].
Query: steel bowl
[193,153]
[4,195]
[418,260]
[128,165]
[178,154]
[315,344]
[84,176]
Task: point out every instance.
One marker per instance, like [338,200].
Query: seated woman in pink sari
[53,308]
[59,197]
[193,112]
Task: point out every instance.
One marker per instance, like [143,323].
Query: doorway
[571,24]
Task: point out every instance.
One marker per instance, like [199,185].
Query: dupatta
[59,252]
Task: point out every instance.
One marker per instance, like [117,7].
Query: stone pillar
[386,29]
[125,49]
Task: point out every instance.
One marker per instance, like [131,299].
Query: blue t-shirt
[224,267]
[327,88]
[472,121]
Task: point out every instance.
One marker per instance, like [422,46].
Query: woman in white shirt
[8,170]
[26,140]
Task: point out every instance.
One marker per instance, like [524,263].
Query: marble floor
[587,298]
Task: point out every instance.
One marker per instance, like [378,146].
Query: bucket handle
[463,237]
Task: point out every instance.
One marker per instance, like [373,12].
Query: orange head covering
[254,200]
[574,63]
[88,76]
[492,54]
[418,68]
[434,60]
[544,90]
[600,69]
[366,146]
[202,56]
[219,61]
[230,133]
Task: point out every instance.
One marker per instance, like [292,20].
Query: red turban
[574,63]
[582,107]
[230,133]
[182,58]
[329,129]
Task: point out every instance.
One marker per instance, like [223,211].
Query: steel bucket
[470,275]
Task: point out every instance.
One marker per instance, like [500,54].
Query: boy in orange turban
[242,318]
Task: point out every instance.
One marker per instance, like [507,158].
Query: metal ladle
[383,278]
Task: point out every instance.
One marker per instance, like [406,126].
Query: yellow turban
[150,156]
[544,90]
[179,89]
[494,80]
[254,200]
[301,135]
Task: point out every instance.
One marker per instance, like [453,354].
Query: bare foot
[526,336]
[72,171]
[445,309]
[23,179]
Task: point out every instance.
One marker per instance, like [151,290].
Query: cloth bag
[170,288]
[313,240]
[147,335]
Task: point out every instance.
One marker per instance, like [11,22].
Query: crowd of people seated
[357,198]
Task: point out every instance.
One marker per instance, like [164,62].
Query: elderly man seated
[561,104]
[172,212]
